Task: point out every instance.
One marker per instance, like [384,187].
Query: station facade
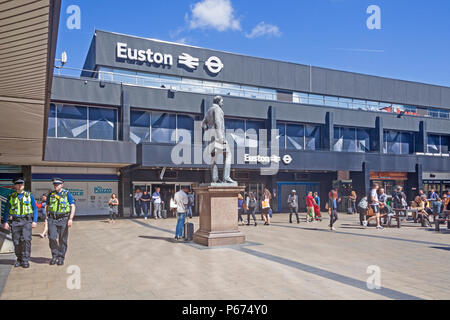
[135,110]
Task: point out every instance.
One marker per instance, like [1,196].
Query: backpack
[363,203]
[252,203]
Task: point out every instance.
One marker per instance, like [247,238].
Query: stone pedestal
[218,215]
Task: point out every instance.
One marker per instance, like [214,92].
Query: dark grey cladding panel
[85,91]
[286,78]
[333,79]
[434,95]
[318,80]
[405,123]
[302,78]
[412,92]
[270,73]
[440,126]
[400,90]
[375,87]
[68,150]
[361,85]
[445,96]
[363,119]
[154,155]
[300,113]
[388,90]
[245,108]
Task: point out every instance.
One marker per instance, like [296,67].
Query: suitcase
[163,212]
[188,232]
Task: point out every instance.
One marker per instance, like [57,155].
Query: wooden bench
[438,220]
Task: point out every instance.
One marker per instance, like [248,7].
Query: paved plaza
[139,259]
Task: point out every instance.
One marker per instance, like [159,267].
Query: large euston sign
[213,64]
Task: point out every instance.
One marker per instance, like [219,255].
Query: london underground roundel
[214,64]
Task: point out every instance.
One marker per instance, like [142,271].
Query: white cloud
[215,14]
[264,29]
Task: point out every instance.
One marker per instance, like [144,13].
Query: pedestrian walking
[21,216]
[113,204]
[293,205]
[332,208]
[60,210]
[44,233]
[317,206]
[181,200]
[251,203]
[352,202]
[137,202]
[191,204]
[265,206]
[240,208]
[156,197]
[146,204]
[310,215]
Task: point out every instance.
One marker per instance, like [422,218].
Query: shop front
[439,181]
[389,180]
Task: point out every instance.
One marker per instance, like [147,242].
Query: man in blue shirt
[434,195]
[59,210]
[21,210]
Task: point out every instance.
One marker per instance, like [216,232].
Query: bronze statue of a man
[214,120]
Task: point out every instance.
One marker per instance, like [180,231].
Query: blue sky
[412,44]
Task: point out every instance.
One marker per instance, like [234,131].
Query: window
[397,142]
[345,103]
[52,121]
[281,135]
[236,128]
[139,126]
[298,97]
[163,127]
[351,139]
[438,144]
[170,82]
[185,128]
[71,122]
[125,76]
[148,80]
[102,124]
[295,137]
[252,133]
[331,101]
[312,137]
[316,99]
[362,140]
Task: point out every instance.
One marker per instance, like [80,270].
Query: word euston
[213,64]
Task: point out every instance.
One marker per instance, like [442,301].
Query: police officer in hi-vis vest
[59,210]
[21,211]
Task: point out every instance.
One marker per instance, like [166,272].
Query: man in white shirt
[181,199]
[137,202]
[374,202]
[156,198]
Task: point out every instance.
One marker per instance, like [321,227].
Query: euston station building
[114,127]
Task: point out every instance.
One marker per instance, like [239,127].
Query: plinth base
[218,215]
[213,239]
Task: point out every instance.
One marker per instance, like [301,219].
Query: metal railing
[210,87]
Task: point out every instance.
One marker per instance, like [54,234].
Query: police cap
[57,181]
[18,181]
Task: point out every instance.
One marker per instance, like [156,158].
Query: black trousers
[58,234]
[21,235]
[293,210]
[333,217]
[137,207]
[240,210]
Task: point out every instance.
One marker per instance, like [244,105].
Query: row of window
[94,123]
[221,88]
[185,84]
[79,122]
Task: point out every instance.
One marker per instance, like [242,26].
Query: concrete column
[379,136]
[125,116]
[329,131]
[26,175]
[271,125]
[421,144]
[366,174]
[126,204]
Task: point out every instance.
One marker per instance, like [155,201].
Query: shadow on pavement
[171,240]
[7,262]
[40,260]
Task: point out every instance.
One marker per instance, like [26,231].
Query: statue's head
[218,100]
